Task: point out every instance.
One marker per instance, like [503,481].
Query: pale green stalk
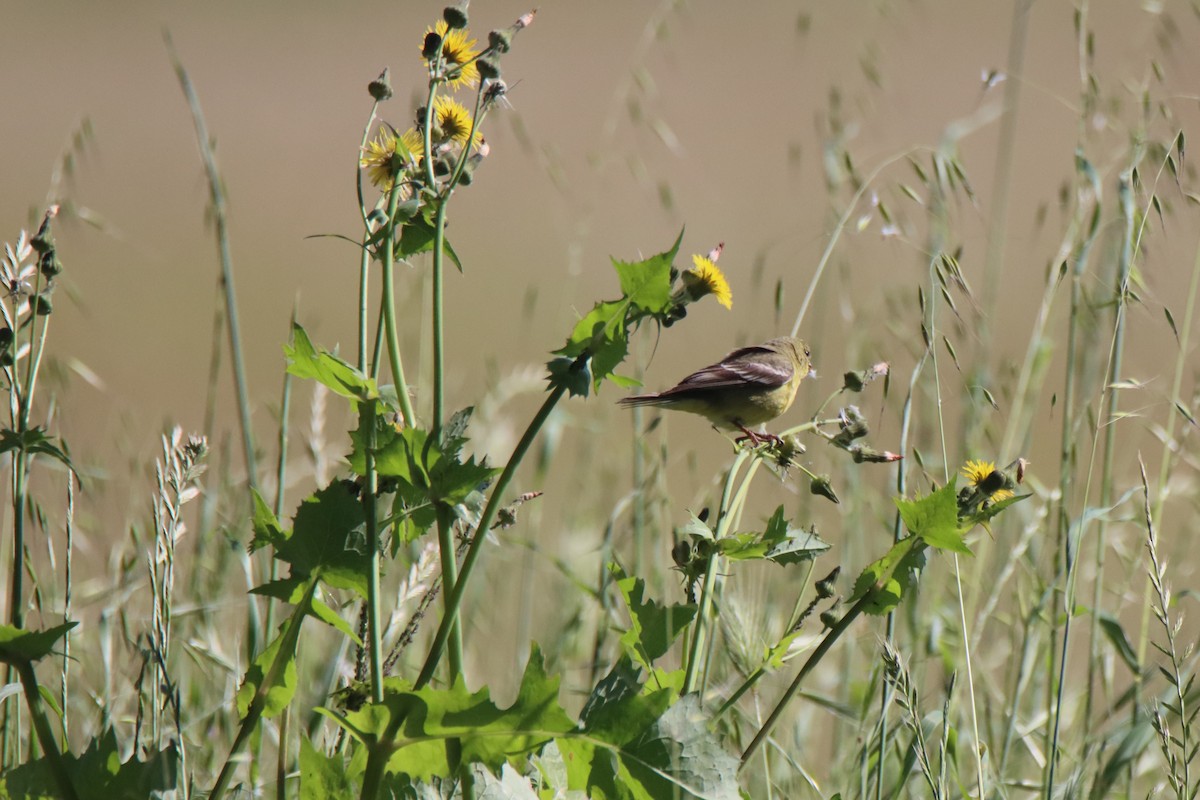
[700,626]
[897,531]
[475,548]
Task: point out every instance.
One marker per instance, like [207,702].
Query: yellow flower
[704,278]
[454,121]
[458,55]
[377,157]
[982,475]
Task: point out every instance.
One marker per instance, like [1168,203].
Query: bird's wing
[767,369]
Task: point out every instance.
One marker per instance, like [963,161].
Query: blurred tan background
[629,120]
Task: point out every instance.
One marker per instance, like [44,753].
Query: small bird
[750,386]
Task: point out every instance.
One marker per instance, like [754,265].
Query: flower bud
[49,264]
[488,68]
[828,585]
[6,359]
[500,41]
[829,618]
[681,553]
[433,44]
[455,16]
[822,486]
[40,304]
[381,87]
[6,337]
[852,382]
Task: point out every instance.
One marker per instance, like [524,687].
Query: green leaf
[21,645]
[268,531]
[983,515]
[887,580]
[34,440]
[1120,642]
[305,361]
[415,459]
[934,519]
[322,776]
[416,236]
[572,374]
[98,774]
[292,590]
[653,627]
[486,734]
[282,679]
[328,538]
[647,283]
[780,542]
[675,755]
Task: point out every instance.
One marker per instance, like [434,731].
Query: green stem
[826,643]
[220,219]
[366,417]
[449,563]
[45,732]
[699,630]
[285,654]
[389,311]
[439,342]
[455,599]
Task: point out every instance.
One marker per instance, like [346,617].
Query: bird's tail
[642,400]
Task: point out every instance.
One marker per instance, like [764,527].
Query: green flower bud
[829,618]
[49,264]
[488,68]
[381,87]
[6,337]
[827,586]
[823,487]
[500,41]
[852,382]
[40,304]
[6,359]
[455,16]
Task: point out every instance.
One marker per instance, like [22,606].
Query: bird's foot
[755,438]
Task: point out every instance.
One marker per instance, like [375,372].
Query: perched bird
[750,386]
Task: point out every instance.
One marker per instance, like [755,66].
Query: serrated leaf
[306,361]
[887,580]
[647,283]
[486,734]
[25,646]
[653,627]
[321,776]
[291,590]
[934,519]
[416,237]
[779,542]
[329,538]
[98,772]
[282,679]
[34,440]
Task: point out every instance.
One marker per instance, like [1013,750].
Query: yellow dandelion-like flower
[705,278]
[377,157]
[458,54]
[454,120]
[982,475]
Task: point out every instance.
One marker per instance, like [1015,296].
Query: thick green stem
[699,628]
[455,599]
[45,732]
[830,638]
[439,341]
[366,421]
[389,311]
